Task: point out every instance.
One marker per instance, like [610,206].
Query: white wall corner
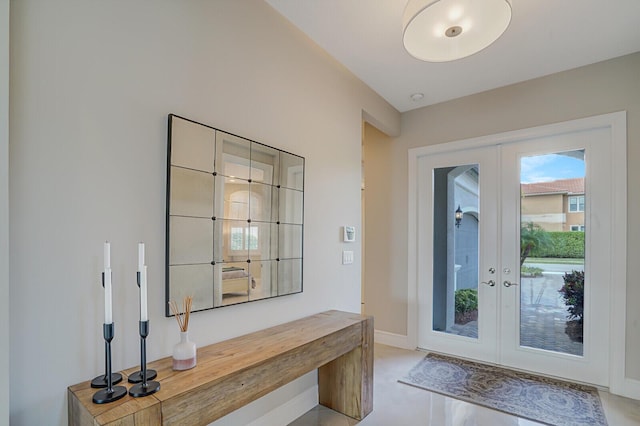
[619,384]
[392,339]
[4,212]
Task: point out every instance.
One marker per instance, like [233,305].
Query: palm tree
[532,236]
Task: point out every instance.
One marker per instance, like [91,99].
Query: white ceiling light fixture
[446,30]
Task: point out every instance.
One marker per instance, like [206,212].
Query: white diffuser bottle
[184,353]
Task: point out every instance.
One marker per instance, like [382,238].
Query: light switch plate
[347,257]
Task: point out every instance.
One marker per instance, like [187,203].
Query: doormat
[541,399]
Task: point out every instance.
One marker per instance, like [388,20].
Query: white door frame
[482,348]
[616,122]
[592,366]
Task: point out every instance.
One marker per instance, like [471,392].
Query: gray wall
[587,91]
[441,247]
[4,212]
[91,85]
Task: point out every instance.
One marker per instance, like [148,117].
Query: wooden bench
[232,373]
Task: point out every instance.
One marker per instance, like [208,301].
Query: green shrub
[530,271]
[573,294]
[532,237]
[562,245]
[466,300]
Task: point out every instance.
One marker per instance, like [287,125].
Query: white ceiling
[544,37]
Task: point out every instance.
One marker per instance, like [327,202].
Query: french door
[513,252]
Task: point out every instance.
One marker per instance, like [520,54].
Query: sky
[545,168]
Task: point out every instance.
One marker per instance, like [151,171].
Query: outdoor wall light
[458,216]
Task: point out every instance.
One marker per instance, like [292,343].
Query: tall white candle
[107,255]
[142,269]
[108,318]
[140,256]
[143,294]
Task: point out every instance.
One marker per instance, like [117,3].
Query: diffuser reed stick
[182,317]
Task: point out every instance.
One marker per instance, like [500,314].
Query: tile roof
[562,186]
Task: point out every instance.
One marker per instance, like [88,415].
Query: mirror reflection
[234,217]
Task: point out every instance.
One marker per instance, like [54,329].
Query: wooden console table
[232,373]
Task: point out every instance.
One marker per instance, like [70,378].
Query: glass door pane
[552,251]
[456,250]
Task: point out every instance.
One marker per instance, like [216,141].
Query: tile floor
[396,404]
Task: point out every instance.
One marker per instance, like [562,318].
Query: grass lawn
[554,260]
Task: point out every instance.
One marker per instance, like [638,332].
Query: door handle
[491,283]
[508,283]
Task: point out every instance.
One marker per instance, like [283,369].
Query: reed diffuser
[184,352]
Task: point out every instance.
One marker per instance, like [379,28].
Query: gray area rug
[541,399]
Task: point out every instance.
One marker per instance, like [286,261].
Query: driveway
[556,267]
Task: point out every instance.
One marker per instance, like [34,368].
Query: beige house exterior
[555,206]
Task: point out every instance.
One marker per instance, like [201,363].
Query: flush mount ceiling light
[446,30]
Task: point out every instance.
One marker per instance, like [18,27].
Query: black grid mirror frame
[234,218]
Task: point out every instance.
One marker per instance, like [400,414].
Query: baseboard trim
[289,411]
[630,388]
[392,339]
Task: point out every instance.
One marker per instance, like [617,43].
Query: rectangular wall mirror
[235,211]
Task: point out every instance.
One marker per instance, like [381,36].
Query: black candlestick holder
[144,332]
[137,377]
[144,378]
[146,386]
[101,381]
[110,393]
